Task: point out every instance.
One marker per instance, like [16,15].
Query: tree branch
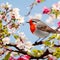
[25,52]
[42,42]
[13,46]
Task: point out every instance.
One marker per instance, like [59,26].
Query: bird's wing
[44,27]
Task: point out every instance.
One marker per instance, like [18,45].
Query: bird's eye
[34,21]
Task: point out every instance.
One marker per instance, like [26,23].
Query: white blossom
[13,54]
[19,44]
[56,6]
[11,31]
[7,5]
[20,20]
[28,45]
[58,17]
[16,10]
[59,29]
[51,50]
[1,51]
[6,40]
[23,36]
[53,6]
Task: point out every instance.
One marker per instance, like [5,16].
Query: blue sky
[22,5]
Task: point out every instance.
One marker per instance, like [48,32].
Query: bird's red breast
[32,26]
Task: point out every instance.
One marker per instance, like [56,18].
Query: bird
[41,29]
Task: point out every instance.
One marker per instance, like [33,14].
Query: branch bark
[46,53]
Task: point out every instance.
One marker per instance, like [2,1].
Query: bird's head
[32,24]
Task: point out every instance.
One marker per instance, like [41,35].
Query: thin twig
[31,7]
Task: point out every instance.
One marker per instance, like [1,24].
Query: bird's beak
[27,22]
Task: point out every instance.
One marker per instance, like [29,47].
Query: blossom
[51,49]
[12,58]
[22,42]
[12,30]
[56,6]
[38,1]
[24,57]
[13,54]
[1,51]
[0,17]
[15,12]
[6,40]
[6,6]
[19,44]
[58,17]
[50,57]
[23,36]
[20,20]
[58,23]
[46,10]
[15,15]
[28,45]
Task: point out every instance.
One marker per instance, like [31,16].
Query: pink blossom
[12,17]
[58,23]
[24,57]
[12,58]
[0,17]
[38,1]
[10,26]
[46,10]
[3,16]
[50,57]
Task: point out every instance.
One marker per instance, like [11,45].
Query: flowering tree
[23,49]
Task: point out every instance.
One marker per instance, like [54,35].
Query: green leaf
[36,53]
[0,24]
[47,43]
[58,37]
[16,36]
[42,0]
[35,50]
[7,56]
[57,52]
[52,37]
[29,53]
[53,11]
